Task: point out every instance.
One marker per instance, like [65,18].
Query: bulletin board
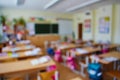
[104,24]
[87,25]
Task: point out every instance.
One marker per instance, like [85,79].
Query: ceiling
[61,6]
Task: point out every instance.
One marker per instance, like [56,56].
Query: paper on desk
[63,46]
[3,54]
[14,55]
[15,49]
[110,59]
[29,47]
[81,51]
[34,62]
[40,60]
[27,53]
[24,42]
[36,50]
[43,60]
[33,52]
[5,48]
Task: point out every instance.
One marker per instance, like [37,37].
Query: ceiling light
[20,2]
[51,4]
[82,5]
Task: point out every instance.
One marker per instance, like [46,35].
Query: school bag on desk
[95,71]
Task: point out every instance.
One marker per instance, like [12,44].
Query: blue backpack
[50,51]
[95,71]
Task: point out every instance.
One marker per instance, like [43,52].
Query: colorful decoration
[104,24]
[87,25]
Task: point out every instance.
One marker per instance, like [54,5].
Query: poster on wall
[104,25]
[87,25]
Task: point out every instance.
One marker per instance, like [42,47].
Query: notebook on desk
[110,59]
[81,51]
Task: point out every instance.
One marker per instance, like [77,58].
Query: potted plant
[1,44]
[3,20]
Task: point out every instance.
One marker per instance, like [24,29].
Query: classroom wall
[80,18]
[105,11]
[111,11]
[49,17]
[116,34]
[26,14]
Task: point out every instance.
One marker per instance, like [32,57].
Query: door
[80,31]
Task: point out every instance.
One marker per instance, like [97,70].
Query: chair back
[50,75]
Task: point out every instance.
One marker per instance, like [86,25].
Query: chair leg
[38,77]
[82,70]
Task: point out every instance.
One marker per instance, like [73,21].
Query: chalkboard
[46,28]
[54,28]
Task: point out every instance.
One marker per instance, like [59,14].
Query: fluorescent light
[20,2]
[51,4]
[82,5]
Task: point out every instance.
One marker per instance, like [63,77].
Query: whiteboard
[31,28]
[65,27]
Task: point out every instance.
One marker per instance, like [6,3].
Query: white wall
[80,18]
[105,11]
[116,35]
[65,28]
[26,14]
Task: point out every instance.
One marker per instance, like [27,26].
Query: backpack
[95,71]
[70,61]
[58,56]
[50,51]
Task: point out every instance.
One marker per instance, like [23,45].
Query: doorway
[80,26]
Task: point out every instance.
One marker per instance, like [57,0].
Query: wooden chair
[16,78]
[114,74]
[48,75]
[84,65]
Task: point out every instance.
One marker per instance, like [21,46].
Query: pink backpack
[105,48]
[58,56]
[70,61]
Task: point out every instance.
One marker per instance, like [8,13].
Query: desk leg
[114,66]
[27,77]
[1,78]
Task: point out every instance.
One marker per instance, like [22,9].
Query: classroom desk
[68,46]
[114,54]
[113,73]
[89,50]
[22,66]
[19,55]
[22,43]
[17,49]
[111,46]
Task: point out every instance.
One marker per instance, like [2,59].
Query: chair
[17,78]
[50,75]
[83,66]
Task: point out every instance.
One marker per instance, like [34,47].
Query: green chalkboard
[54,28]
[46,28]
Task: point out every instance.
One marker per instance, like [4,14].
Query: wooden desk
[77,78]
[22,43]
[22,66]
[68,46]
[17,49]
[20,55]
[89,50]
[113,74]
[109,54]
